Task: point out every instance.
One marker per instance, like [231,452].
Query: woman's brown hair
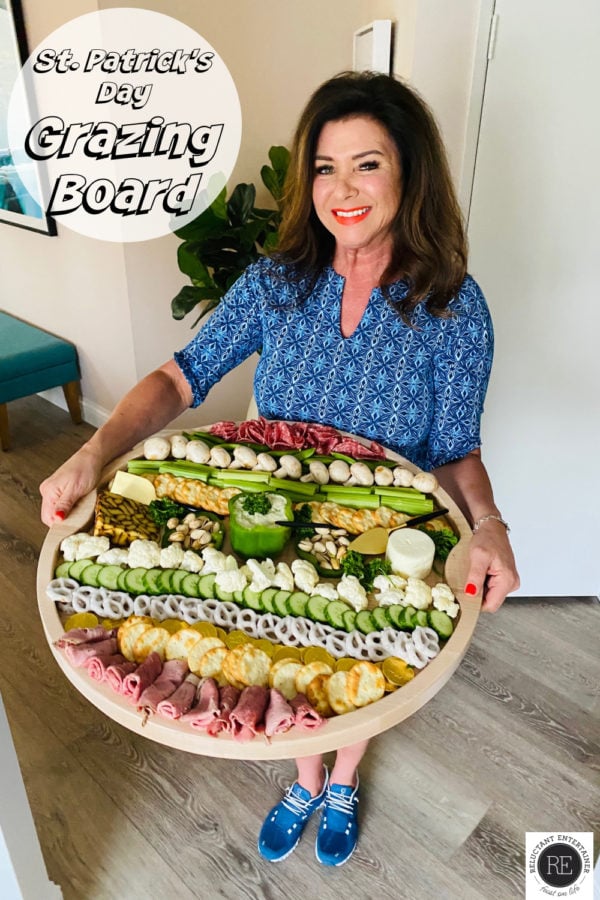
[429,244]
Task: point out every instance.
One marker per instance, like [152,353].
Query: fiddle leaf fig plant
[226,238]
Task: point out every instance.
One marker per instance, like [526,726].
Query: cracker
[152,640]
[211,664]
[180,644]
[338,693]
[283,676]
[316,694]
[366,683]
[250,665]
[127,635]
[309,671]
[199,648]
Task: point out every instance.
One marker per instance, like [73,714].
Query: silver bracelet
[483,519]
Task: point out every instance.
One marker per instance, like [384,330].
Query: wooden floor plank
[510,744]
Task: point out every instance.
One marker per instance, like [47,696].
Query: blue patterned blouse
[418,390]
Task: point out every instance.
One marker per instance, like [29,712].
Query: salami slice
[181,701]
[137,682]
[279,716]
[247,717]
[78,654]
[207,708]
[305,716]
[172,675]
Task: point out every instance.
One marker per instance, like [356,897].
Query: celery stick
[143,465]
[357,501]
[186,471]
[342,489]
[247,487]
[240,475]
[413,507]
[306,488]
[397,492]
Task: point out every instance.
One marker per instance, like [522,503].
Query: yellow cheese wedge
[134,487]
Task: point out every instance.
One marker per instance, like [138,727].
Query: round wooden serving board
[339,731]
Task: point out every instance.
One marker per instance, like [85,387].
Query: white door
[534,232]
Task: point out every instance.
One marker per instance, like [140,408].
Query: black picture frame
[17,206]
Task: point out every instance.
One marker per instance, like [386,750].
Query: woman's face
[357,182]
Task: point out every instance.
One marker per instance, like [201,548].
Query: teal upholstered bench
[32,360]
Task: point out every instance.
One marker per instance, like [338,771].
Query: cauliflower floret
[116,556]
[192,562]
[389,598]
[389,583]
[305,575]
[417,594]
[351,590]
[91,547]
[144,553]
[443,599]
[171,557]
[231,580]
[325,590]
[214,560]
[261,574]
[69,546]
[284,578]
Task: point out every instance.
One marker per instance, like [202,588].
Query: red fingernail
[471,588]
[59,514]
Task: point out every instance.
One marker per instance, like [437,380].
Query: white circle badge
[128,123]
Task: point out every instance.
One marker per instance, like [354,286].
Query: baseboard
[91,412]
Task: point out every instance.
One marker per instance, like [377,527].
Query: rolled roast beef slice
[305,715]
[279,716]
[143,676]
[228,698]
[181,700]
[97,665]
[78,654]
[249,711]
[207,707]
[116,674]
[85,636]
[172,675]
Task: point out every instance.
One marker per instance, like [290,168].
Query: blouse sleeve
[231,335]
[462,365]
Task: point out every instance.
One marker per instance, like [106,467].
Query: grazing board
[339,730]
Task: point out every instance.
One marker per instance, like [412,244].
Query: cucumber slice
[335,613]
[62,571]
[364,622]
[76,568]
[221,594]
[206,586]
[90,575]
[381,617]
[280,603]
[266,598]
[122,581]
[252,599]
[396,614]
[441,622]
[108,577]
[151,579]
[316,606]
[297,603]
[134,580]
[238,597]
[177,579]
[190,585]
[165,581]
[409,617]
[349,618]
[421,618]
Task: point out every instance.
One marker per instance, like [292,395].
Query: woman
[367,321]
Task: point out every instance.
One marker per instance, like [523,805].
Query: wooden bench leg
[72,396]
[4,432]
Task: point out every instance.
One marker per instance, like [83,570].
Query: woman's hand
[492,569]
[75,478]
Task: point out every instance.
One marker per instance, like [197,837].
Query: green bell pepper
[250,532]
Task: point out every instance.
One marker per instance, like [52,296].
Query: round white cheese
[410,553]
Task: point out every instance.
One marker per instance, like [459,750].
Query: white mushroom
[339,471]
[243,458]
[265,463]
[319,472]
[289,467]
[425,482]
[219,457]
[156,448]
[197,451]
[361,474]
[383,475]
[178,446]
[402,477]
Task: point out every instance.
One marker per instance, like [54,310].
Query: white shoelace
[295,804]
[340,803]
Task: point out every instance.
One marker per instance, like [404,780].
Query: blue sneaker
[283,827]
[338,832]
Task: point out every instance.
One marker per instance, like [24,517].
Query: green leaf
[271,182]
[271,241]
[280,160]
[189,297]
[191,265]
[241,203]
